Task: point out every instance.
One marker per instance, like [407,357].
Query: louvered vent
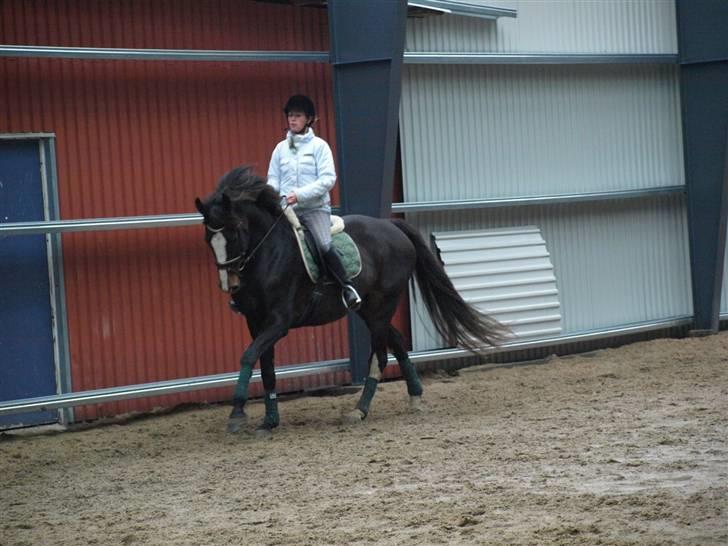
[506,273]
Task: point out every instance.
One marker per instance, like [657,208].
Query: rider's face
[297,122]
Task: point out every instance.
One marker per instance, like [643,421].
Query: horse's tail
[456,320]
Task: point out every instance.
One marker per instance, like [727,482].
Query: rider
[302,170]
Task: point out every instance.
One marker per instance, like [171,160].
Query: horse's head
[227,213]
[227,236]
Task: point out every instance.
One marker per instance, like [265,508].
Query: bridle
[243,259]
[239,258]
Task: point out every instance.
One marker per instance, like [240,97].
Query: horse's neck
[265,225]
[270,234]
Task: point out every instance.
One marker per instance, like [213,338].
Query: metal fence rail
[432,57]
[161,54]
[173,220]
[99,224]
[415,57]
[286,372]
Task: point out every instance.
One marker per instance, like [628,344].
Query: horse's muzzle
[234,282]
[229,281]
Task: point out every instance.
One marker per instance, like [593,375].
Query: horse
[260,265]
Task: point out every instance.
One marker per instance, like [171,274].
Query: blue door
[27,363]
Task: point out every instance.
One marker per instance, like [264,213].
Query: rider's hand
[291,198]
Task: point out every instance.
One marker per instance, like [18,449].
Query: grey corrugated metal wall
[513,131]
[474,131]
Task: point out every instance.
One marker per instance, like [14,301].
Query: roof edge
[456,7]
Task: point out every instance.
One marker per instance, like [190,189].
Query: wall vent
[506,273]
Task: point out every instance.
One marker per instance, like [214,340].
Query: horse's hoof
[263,433]
[235,424]
[415,404]
[354,416]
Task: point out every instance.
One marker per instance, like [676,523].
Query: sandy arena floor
[619,446]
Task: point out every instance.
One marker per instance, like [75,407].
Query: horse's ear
[200,207]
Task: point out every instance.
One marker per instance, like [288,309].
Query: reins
[270,230]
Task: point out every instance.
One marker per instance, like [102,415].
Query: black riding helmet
[300,103]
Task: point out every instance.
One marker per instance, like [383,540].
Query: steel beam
[455,7]
[703,54]
[367,46]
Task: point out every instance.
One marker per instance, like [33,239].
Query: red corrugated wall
[144,138]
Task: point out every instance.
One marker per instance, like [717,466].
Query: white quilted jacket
[303,164]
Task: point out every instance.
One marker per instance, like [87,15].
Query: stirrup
[350,297]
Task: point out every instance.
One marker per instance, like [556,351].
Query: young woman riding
[302,170]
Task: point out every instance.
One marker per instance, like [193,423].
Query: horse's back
[377,234]
[388,255]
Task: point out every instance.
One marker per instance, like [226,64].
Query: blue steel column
[367,46]
[703,53]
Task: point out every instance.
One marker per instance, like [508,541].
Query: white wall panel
[492,131]
[616,262]
[554,26]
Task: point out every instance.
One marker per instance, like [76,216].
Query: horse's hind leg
[376,366]
[414,387]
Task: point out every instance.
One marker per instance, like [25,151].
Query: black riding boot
[336,270]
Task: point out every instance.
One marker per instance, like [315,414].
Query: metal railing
[410,57]
[115,394]
[173,220]
[432,57]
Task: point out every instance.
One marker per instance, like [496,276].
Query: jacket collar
[295,141]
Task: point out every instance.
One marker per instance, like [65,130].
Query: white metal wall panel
[553,26]
[616,262]
[507,272]
[491,131]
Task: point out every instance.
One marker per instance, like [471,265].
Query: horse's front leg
[268,374]
[262,344]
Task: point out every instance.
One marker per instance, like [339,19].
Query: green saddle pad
[347,249]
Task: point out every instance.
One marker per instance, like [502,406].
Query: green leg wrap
[370,387]
[272,418]
[414,387]
[241,391]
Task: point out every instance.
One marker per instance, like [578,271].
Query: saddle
[340,240]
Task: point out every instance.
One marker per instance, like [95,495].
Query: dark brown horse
[260,265]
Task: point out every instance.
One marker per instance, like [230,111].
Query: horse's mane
[242,186]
